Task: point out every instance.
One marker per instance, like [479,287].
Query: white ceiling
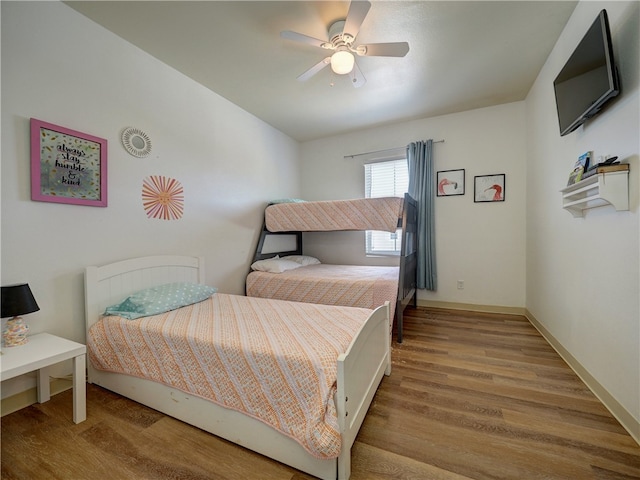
[463,55]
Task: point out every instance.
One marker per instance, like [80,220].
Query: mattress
[335,215]
[347,285]
[275,361]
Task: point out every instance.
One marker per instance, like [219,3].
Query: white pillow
[303,260]
[275,265]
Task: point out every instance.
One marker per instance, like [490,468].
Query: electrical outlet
[460,284]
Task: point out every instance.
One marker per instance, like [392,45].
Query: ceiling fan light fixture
[342,35]
[342,62]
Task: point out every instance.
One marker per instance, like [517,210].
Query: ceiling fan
[342,36]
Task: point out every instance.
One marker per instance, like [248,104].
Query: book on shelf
[584,160]
[575,176]
[580,167]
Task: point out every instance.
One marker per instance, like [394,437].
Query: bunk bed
[280,269]
[187,363]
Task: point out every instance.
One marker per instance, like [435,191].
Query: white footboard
[360,370]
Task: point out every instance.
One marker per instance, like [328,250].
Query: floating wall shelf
[606,188]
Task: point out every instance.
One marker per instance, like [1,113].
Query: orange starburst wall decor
[162,197]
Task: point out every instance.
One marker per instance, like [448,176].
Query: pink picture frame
[67,166]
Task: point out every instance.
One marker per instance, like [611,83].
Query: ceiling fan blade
[357,12]
[356,76]
[315,69]
[398,49]
[299,37]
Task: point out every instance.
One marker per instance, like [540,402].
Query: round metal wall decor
[136,142]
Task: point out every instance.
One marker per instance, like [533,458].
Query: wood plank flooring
[471,396]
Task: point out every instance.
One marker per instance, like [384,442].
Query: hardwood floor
[471,396]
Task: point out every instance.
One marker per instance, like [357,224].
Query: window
[385,179]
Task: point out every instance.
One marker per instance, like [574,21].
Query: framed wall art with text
[67,166]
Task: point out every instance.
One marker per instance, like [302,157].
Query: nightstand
[40,352]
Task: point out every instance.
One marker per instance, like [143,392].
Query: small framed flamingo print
[450,182]
[489,188]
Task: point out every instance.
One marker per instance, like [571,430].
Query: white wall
[583,274]
[482,244]
[60,67]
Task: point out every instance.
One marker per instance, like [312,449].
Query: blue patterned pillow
[160,299]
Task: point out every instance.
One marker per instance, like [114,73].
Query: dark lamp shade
[17,300]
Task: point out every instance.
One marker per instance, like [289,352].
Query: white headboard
[109,284]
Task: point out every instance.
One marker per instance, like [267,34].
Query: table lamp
[16,300]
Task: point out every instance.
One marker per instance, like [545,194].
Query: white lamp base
[15,333]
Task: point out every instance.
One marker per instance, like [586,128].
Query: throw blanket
[275,361]
[359,214]
[346,285]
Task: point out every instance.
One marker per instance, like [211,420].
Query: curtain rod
[383,151]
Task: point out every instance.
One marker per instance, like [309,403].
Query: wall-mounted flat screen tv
[589,78]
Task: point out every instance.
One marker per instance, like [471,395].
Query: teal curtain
[422,189]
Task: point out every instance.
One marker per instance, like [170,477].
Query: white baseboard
[29,397]
[471,307]
[626,419]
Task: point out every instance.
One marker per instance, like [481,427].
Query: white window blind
[385,179]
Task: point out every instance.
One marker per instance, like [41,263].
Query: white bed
[359,370]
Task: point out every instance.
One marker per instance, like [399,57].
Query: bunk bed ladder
[408,261]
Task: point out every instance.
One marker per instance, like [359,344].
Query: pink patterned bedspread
[347,285]
[275,361]
[323,216]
